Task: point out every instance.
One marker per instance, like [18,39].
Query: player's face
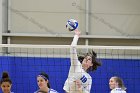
[87,62]
[6,87]
[42,83]
[112,83]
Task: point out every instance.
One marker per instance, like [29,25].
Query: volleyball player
[43,83]
[6,83]
[116,85]
[79,81]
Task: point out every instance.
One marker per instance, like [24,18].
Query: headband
[43,77]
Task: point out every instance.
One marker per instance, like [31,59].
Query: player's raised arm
[73,51]
[76,37]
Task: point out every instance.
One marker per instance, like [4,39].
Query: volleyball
[72,24]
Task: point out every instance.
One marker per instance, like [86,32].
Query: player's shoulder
[87,75]
[118,90]
[52,91]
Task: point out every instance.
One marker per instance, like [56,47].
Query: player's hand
[77,32]
[78,84]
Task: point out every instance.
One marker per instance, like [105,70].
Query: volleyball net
[25,62]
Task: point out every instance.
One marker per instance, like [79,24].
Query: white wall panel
[0,21]
[30,16]
[115,17]
[107,18]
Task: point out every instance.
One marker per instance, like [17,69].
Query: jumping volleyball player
[79,81]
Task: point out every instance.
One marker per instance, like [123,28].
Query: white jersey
[118,90]
[76,72]
[50,91]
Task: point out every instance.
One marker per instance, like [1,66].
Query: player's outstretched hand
[77,32]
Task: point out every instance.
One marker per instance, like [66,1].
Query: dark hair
[40,91]
[120,82]
[46,78]
[5,78]
[94,60]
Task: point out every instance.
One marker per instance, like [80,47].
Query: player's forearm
[73,51]
[75,40]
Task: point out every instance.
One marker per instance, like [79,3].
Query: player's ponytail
[95,62]
[5,75]
[120,82]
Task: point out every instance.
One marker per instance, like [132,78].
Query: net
[25,62]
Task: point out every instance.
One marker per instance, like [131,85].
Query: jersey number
[83,79]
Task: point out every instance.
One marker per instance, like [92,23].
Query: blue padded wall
[23,72]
